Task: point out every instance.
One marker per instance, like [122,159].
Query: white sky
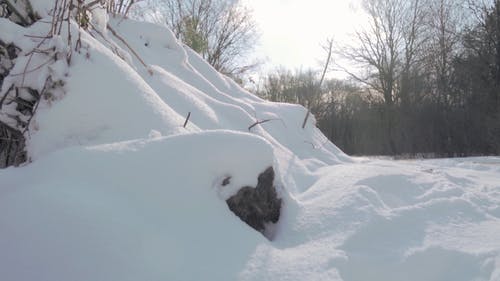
[292,31]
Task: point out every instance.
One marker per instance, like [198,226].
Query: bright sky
[292,31]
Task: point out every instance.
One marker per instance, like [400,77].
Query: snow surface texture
[119,190]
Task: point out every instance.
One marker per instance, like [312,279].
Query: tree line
[423,78]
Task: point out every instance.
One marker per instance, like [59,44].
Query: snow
[119,189]
[149,224]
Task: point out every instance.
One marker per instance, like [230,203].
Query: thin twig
[258,122]
[305,119]
[35,107]
[54,11]
[31,70]
[187,119]
[128,46]
[61,19]
[36,36]
[325,68]
[70,50]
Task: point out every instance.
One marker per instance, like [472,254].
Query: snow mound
[111,96]
[79,215]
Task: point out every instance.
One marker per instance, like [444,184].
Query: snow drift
[119,189]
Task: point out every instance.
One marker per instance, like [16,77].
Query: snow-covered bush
[34,68]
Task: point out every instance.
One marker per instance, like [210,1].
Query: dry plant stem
[45,52]
[78,44]
[113,48]
[52,30]
[25,69]
[258,122]
[325,69]
[60,20]
[120,6]
[39,44]
[305,119]
[128,8]
[187,119]
[36,36]
[31,70]
[70,53]
[126,44]
[31,53]
[35,107]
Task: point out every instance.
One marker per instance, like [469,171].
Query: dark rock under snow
[258,206]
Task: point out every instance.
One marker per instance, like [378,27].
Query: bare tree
[444,20]
[376,48]
[221,31]
[388,50]
[413,53]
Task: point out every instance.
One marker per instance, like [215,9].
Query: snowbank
[138,210]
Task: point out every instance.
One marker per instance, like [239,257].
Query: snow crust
[119,189]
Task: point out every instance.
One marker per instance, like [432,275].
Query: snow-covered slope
[119,189]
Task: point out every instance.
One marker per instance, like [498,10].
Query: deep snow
[119,190]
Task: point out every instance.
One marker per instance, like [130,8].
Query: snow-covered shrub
[33,68]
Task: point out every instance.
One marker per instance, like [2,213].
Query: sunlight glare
[292,31]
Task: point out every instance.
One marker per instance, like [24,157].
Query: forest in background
[425,81]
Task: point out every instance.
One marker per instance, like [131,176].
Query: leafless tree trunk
[444,24]
[377,49]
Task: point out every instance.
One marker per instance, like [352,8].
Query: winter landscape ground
[118,189]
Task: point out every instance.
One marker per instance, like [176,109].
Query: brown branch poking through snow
[258,122]
[187,120]
[130,48]
[328,48]
[305,118]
